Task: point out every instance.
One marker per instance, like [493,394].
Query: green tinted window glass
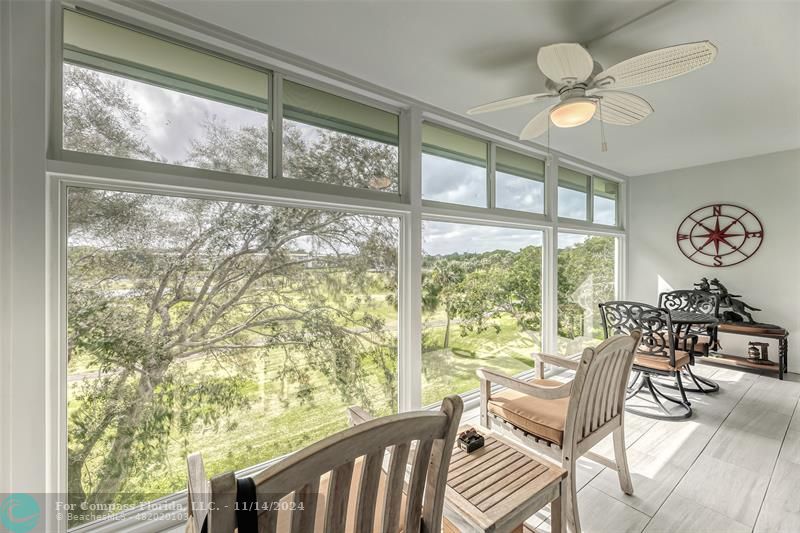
[330,139]
[605,198]
[573,191]
[519,181]
[96,43]
[453,167]
[325,110]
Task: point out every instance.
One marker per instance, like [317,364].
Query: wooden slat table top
[503,478]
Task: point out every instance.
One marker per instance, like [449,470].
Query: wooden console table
[497,487]
[781,335]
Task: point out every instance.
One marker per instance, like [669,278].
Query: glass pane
[606,195]
[586,266]
[481,301]
[93,40]
[334,140]
[110,115]
[453,167]
[131,95]
[519,181]
[236,330]
[573,190]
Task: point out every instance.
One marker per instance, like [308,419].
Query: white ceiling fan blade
[508,103]
[658,65]
[565,62]
[537,125]
[621,108]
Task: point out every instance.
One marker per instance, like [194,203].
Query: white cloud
[444,238]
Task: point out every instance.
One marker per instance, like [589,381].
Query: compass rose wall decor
[720,235]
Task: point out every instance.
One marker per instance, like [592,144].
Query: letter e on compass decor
[720,235]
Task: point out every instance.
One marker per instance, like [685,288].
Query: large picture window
[128,94]
[586,278]
[238,330]
[239,317]
[482,304]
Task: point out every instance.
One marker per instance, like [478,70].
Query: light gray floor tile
[653,478]
[731,490]
[758,420]
[745,449]
[683,515]
[790,450]
[781,509]
[599,512]
[677,442]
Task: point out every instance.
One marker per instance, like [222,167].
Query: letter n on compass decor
[720,235]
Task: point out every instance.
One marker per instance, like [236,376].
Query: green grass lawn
[449,371]
[278,422]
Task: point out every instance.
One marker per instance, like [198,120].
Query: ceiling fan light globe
[573,112]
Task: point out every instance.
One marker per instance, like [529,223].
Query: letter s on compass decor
[720,235]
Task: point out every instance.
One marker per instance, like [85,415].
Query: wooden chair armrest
[538,391]
[557,360]
[356,415]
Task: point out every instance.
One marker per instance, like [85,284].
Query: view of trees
[189,318]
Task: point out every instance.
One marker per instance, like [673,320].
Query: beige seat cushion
[661,362]
[283,516]
[542,418]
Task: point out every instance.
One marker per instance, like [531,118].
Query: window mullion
[410,265]
[550,260]
[276,126]
[491,176]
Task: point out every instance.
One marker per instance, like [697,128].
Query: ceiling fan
[584,94]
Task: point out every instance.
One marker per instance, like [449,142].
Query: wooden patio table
[497,487]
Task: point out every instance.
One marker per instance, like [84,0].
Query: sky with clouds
[172,119]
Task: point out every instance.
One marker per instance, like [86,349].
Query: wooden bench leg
[558,511]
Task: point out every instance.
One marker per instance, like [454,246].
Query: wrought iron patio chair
[695,301]
[656,356]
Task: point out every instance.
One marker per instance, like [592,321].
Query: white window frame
[36,383]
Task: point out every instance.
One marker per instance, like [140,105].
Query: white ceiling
[455,55]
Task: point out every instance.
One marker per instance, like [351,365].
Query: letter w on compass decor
[720,235]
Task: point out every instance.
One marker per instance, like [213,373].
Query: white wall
[23,367]
[768,185]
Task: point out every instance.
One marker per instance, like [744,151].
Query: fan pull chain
[603,144]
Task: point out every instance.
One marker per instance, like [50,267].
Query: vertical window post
[410,264]
[276,127]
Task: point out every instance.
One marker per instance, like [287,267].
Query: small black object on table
[685,320]
[470,440]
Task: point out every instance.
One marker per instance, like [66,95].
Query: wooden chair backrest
[598,390]
[298,477]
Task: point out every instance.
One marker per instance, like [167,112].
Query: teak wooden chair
[340,482]
[567,419]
